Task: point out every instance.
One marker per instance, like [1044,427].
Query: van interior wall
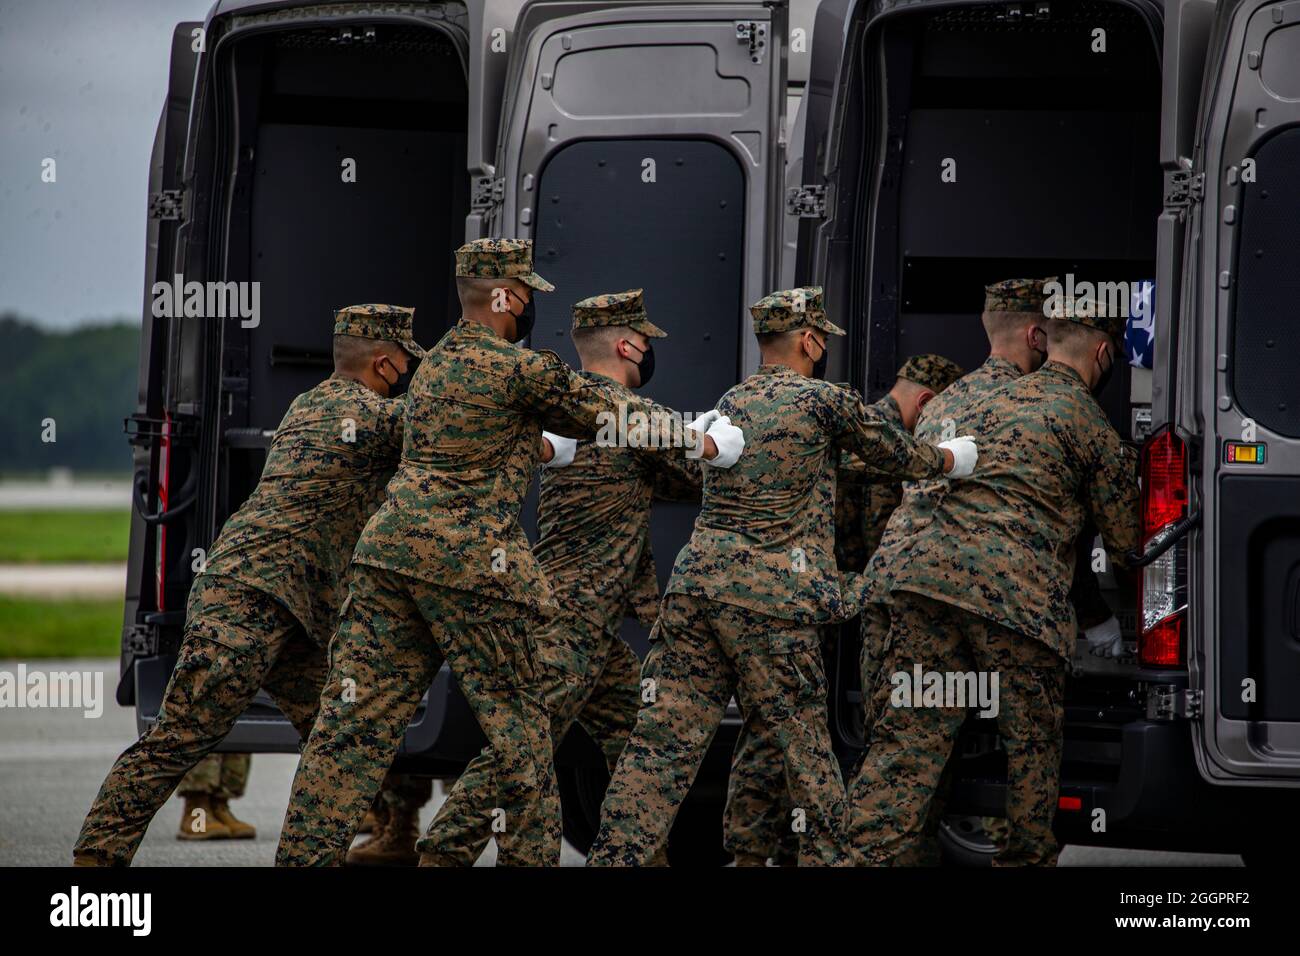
[350,187]
[1054,149]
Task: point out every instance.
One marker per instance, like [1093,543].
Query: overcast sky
[82,82]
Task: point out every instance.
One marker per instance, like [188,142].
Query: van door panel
[165,173]
[1247,264]
[640,149]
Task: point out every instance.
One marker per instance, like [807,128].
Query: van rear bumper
[442,737]
[1157,800]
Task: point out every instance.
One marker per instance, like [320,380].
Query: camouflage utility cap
[931,371]
[500,259]
[792,309]
[617,309]
[390,323]
[1016,295]
[1085,311]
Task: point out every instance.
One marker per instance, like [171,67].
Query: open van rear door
[640,148]
[1238,318]
[146,428]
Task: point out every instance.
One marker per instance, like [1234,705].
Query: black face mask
[1105,376]
[525,320]
[647,363]
[819,366]
[403,382]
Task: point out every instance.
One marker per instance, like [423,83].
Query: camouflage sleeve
[564,401]
[393,426]
[673,476]
[382,421]
[1112,493]
[885,449]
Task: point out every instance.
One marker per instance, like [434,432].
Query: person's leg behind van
[233,637]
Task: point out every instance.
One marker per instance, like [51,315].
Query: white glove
[730,441]
[563,449]
[964,456]
[1105,639]
[700,426]
[703,423]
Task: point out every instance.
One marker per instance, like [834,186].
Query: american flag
[1140,330]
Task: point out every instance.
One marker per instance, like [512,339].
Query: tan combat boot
[239,830]
[373,821]
[394,845]
[367,823]
[199,822]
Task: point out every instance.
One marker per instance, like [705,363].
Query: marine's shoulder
[471,338]
[334,392]
[1056,385]
[537,361]
[786,390]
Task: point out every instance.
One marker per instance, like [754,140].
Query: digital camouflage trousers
[394,633]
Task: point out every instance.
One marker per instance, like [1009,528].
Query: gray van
[710,152]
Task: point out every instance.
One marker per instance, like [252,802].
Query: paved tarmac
[52,762]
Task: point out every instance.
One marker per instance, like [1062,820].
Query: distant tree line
[75,386]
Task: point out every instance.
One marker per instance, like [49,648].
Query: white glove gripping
[964,456]
[703,423]
[700,426]
[564,449]
[1105,639]
[730,441]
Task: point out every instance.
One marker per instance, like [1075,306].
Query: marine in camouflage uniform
[756,821]
[208,789]
[443,571]
[1017,300]
[594,547]
[977,580]
[262,611]
[749,591]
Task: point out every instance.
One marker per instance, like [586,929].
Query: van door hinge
[806,202]
[141,640]
[487,192]
[168,205]
[1183,187]
[753,33]
[1171,703]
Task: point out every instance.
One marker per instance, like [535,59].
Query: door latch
[1183,187]
[1171,703]
[167,205]
[487,192]
[140,640]
[753,33]
[806,202]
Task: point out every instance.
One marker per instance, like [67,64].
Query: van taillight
[164,480]
[1162,608]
